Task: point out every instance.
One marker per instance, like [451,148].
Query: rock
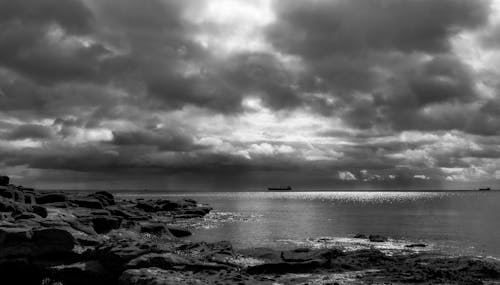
[157,276]
[105,197]
[416,245]
[171,260]
[16,271]
[128,214]
[100,213]
[146,206]
[166,205]
[197,212]
[286,267]
[18,196]
[39,210]
[61,205]
[91,203]
[9,194]
[89,241]
[153,228]
[104,224]
[51,198]
[29,199]
[24,241]
[297,256]
[14,207]
[161,260]
[106,194]
[361,236]
[4,180]
[179,232]
[53,240]
[377,238]
[267,254]
[14,240]
[82,273]
[117,254]
[26,216]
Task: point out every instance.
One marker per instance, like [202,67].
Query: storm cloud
[241,95]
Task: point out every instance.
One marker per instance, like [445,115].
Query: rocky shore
[96,238]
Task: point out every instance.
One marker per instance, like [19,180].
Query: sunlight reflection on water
[458,222]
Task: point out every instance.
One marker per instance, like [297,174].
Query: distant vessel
[288,188]
[484,189]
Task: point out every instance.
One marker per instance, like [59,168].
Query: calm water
[455,222]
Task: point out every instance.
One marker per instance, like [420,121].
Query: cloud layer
[246,94]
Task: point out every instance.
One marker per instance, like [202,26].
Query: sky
[241,95]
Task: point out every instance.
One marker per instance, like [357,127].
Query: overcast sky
[238,95]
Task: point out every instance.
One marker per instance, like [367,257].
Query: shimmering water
[455,222]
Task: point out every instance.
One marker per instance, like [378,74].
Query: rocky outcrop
[4,180]
[51,198]
[19,241]
[377,238]
[81,273]
[153,228]
[178,231]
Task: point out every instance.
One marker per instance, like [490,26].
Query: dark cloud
[321,28]
[163,140]
[49,41]
[30,131]
[72,15]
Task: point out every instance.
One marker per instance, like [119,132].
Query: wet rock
[157,276]
[105,197]
[416,245]
[29,199]
[104,224]
[360,236]
[51,198]
[173,261]
[128,214]
[82,273]
[178,232]
[286,267]
[146,206]
[24,241]
[161,260]
[17,271]
[4,180]
[8,194]
[116,255]
[89,241]
[18,196]
[39,210]
[26,216]
[53,240]
[153,228]
[198,212]
[7,205]
[61,205]
[263,253]
[91,203]
[101,213]
[377,238]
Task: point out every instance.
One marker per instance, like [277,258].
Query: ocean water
[461,223]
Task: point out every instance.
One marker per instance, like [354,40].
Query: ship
[484,189]
[288,188]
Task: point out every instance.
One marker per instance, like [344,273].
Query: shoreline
[64,237]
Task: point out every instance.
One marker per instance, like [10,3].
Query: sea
[450,222]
